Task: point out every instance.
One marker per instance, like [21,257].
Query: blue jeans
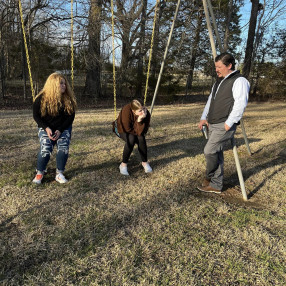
[47,146]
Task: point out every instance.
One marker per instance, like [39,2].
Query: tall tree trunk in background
[227,23]
[194,51]
[141,50]
[125,51]
[124,60]
[250,38]
[155,60]
[127,15]
[2,67]
[93,60]
[258,37]
[2,72]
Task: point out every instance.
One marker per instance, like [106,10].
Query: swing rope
[72,48]
[113,59]
[26,50]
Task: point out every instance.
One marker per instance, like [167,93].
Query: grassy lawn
[105,229]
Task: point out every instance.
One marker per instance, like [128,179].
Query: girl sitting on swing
[54,112]
[131,126]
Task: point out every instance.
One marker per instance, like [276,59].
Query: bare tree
[128,13]
[156,50]
[256,6]
[93,59]
[141,50]
[227,25]
[261,47]
[194,50]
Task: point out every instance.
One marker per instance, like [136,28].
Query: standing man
[222,113]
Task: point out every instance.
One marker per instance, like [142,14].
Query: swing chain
[72,48]
[113,59]
[26,50]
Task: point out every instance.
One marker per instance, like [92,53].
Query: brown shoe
[209,189]
[205,183]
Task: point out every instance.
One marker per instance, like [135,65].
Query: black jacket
[60,122]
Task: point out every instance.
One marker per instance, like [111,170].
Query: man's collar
[235,71]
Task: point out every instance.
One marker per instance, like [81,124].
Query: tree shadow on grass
[239,141]
[253,192]
[190,146]
[247,174]
[96,231]
[87,237]
[92,232]
[154,151]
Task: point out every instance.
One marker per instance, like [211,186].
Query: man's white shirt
[240,91]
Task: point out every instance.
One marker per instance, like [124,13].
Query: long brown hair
[53,99]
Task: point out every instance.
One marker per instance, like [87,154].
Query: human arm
[205,113]
[67,122]
[240,91]
[142,115]
[142,124]
[42,123]
[126,119]
[37,113]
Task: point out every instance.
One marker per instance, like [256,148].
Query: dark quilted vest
[222,99]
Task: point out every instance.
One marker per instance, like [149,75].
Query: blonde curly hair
[53,100]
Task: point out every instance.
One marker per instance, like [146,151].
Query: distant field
[105,229]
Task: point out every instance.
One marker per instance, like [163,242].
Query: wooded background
[259,46]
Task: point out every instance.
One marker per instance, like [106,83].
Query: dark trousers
[130,141]
[213,151]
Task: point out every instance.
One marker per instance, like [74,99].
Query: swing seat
[114,128]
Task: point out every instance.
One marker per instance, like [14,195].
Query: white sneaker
[38,179]
[60,178]
[147,168]
[123,170]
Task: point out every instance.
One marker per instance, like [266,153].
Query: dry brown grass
[105,229]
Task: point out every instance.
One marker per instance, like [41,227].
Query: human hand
[142,114]
[56,135]
[52,136]
[226,127]
[49,133]
[203,122]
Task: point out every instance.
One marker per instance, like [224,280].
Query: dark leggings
[130,141]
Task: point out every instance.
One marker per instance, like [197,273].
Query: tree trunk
[194,51]
[124,59]
[123,18]
[250,38]
[93,65]
[258,38]
[155,61]
[141,51]
[2,67]
[2,73]
[227,23]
